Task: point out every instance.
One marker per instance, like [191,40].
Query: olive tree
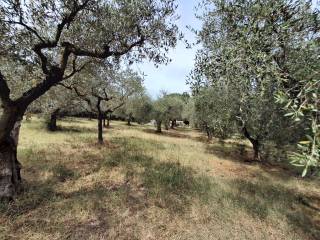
[103,90]
[138,107]
[165,109]
[56,38]
[214,109]
[56,103]
[256,49]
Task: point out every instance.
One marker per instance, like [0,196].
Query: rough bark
[15,133]
[10,118]
[10,177]
[8,174]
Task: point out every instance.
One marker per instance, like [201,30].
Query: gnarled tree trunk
[52,124]
[12,114]
[10,177]
[9,180]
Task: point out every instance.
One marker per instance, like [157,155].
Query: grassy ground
[142,185]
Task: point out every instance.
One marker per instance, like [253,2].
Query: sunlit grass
[143,185]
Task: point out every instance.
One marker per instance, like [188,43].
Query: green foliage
[168,108]
[253,51]
[214,111]
[305,108]
[138,107]
[44,43]
[188,112]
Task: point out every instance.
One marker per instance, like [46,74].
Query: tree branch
[55,76]
[75,69]
[106,52]
[30,29]
[83,96]
[69,18]
[51,44]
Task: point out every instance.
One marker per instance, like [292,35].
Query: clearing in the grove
[143,185]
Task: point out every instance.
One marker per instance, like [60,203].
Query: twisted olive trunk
[10,177]
[10,119]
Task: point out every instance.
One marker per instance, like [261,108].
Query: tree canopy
[261,57]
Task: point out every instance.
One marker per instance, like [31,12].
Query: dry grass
[142,185]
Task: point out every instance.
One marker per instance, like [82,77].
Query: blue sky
[172,77]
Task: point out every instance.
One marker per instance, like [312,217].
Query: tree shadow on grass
[263,198]
[41,202]
[33,196]
[176,133]
[169,133]
[232,151]
[174,186]
[73,129]
[168,184]
[243,154]
[73,120]
[36,194]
